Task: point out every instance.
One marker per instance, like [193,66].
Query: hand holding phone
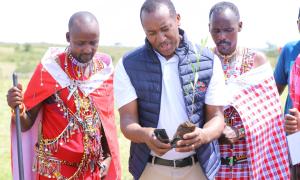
[161,135]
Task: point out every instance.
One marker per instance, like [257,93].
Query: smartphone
[161,135]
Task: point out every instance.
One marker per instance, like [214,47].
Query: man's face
[162,30]
[224,28]
[84,41]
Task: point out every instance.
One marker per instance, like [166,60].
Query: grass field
[23,59]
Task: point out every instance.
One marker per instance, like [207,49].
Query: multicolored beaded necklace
[81,71]
[236,63]
[228,62]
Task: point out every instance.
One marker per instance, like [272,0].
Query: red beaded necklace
[79,71]
[227,59]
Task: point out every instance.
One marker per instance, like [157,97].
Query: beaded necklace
[81,71]
[85,120]
[237,63]
[228,61]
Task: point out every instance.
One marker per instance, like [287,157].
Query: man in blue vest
[163,84]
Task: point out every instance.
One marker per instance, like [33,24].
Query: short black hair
[222,6]
[299,14]
[150,6]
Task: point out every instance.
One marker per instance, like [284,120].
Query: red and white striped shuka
[254,95]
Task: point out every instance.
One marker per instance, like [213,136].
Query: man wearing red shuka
[70,96]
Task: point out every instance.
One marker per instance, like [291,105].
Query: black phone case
[161,135]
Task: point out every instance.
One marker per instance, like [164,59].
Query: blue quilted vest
[144,70]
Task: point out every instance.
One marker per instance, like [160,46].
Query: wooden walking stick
[19,140]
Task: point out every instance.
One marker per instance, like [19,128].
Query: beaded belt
[72,164]
[51,166]
[188,161]
[233,160]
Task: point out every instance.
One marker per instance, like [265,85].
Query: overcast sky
[46,21]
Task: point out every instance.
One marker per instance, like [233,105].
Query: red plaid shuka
[233,67]
[255,97]
[238,171]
